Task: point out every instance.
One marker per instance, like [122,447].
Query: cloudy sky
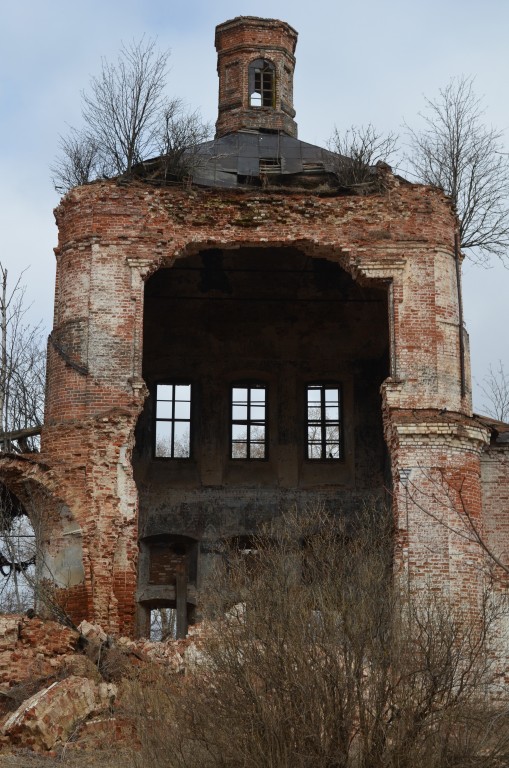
[369,61]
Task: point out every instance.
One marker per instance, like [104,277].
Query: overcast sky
[369,61]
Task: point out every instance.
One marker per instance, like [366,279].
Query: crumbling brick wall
[32,648]
[112,237]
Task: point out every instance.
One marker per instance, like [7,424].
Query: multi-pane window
[261,85]
[324,439]
[249,421]
[173,421]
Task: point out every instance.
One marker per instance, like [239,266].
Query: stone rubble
[74,703]
[51,715]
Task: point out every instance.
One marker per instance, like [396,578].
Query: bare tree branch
[122,111]
[313,658]
[22,367]
[495,388]
[358,150]
[78,162]
[128,119]
[180,134]
[443,501]
[458,153]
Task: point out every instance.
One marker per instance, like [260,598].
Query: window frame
[249,384]
[173,419]
[265,66]
[322,423]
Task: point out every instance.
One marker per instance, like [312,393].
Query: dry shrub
[313,659]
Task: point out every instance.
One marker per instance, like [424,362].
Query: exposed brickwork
[238,43]
[396,247]
[437,501]
[164,565]
[32,648]
[112,237]
[495,498]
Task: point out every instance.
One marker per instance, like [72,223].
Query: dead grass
[67,758]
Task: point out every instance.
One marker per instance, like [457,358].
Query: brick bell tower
[255,64]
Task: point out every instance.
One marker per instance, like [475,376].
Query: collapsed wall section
[112,237]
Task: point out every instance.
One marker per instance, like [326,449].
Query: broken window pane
[173,421]
[257,450]
[324,437]
[248,422]
[18,552]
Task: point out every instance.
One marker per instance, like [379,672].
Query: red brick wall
[31,648]
[238,43]
[112,237]
[436,462]
[495,491]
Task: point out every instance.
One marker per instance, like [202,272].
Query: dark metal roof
[233,160]
[499,429]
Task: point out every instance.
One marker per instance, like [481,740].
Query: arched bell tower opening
[262,84]
[264,367]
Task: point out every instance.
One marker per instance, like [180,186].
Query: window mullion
[172,453]
[248,425]
[323,429]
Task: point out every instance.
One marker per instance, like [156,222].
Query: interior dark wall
[281,317]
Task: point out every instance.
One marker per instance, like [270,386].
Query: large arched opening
[41,552]
[19,555]
[264,367]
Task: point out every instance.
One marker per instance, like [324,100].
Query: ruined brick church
[259,338]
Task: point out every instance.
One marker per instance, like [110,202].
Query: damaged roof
[253,158]
[499,430]
[239,157]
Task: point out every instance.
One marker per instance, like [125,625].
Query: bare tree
[22,384]
[358,150]
[128,119]
[22,370]
[456,151]
[313,658]
[122,111]
[495,388]
[180,134]
[78,162]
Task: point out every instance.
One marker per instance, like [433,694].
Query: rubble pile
[60,686]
